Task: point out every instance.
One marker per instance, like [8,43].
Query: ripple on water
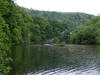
[55,60]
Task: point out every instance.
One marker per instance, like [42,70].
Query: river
[56,60]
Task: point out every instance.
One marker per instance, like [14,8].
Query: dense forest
[88,33]
[72,19]
[25,26]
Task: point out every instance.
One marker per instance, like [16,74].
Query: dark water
[56,60]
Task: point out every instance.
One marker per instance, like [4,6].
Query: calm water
[56,60]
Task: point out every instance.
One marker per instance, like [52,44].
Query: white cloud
[87,6]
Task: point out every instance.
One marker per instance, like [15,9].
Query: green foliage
[19,25]
[87,34]
[3,7]
[72,19]
[4,47]
[4,38]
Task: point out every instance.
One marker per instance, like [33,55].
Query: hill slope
[87,34]
[72,19]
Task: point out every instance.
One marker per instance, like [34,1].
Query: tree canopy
[88,33]
[19,25]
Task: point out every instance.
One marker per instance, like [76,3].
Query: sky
[85,6]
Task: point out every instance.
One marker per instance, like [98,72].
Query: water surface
[56,60]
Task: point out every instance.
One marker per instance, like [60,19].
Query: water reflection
[56,60]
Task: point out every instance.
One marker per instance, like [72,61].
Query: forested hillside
[72,19]
[23,26]
[88,33]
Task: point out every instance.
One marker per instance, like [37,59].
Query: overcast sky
[87,6]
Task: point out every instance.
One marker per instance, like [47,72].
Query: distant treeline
[88,33]
[72,19]
[19,25]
